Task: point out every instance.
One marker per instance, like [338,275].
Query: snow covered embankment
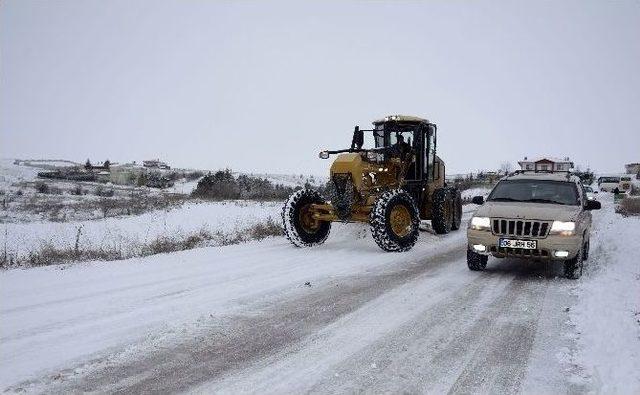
[127,236]
[607,315]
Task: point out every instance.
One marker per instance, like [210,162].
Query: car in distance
[608,184]
[591,194]
[533,215]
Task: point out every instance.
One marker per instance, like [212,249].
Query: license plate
[524,244]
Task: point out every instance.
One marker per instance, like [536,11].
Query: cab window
[430,170]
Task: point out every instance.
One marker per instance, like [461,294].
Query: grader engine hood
[351,164]
[365,176]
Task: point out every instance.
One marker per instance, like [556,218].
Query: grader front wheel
[299,225]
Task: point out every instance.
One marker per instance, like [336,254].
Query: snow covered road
[265,317]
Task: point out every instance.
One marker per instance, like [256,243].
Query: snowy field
[270,318]
[11,173]
[128,233]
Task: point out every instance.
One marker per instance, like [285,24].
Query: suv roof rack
[568,173]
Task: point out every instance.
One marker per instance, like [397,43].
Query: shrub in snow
[42,187]
[222,185]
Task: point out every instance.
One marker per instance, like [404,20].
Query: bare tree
[505,167]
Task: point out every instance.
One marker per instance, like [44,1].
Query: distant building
[546,163]
[155,164]
[632,168]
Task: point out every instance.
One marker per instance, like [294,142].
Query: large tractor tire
[457,209]
[299,226]
[442,217]
[394,221]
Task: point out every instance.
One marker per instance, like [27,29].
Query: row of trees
[105,165]
[223,185]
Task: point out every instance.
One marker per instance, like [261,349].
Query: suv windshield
[535,191]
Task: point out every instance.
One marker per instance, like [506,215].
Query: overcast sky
[264,86]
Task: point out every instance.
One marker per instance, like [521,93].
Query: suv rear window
[535,191]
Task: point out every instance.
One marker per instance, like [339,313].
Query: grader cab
[392,185]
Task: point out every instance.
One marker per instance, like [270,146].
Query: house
[632,168]
[546,163]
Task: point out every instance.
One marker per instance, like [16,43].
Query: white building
[546,163]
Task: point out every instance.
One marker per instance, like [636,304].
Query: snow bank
[607,316]
[128,233]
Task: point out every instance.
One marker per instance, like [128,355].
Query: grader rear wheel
[443,211]
[457,209]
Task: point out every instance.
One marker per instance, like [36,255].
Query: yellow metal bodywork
[369,180]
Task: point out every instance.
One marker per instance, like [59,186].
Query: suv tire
[476,262]
[587,245]
[573,267]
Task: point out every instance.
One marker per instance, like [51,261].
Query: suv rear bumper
[547,247]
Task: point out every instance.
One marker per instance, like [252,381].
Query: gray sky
[263,86]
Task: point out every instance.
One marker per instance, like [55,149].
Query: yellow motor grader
[392,186]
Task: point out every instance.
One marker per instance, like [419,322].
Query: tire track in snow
[444,346]
[240,340]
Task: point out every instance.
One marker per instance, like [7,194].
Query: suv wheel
[476,261]
[586,250]
[573,267]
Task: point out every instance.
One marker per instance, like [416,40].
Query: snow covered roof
[549,158]
[400,118]
[554,176]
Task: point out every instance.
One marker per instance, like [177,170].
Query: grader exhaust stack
[392,186]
